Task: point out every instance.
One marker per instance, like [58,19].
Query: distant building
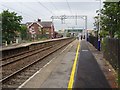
[73,32]
[39,29]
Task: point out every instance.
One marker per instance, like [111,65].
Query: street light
[99,25]
[99,13]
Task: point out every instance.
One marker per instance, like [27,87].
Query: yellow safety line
[71,81]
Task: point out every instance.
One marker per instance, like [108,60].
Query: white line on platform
[40,70]
[84,50]
[48,63]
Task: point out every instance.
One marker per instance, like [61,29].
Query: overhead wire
[46,8]
[25,14]
[29,8]
[71,11]
[58,10]
[53,5]
[69,7]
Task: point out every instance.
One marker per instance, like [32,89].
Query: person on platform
[81,37]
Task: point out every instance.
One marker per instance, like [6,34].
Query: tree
[23,32]
[110,18]
[10,25]
[96,24]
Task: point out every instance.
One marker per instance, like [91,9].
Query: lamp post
[86,28]
[99,14]
[99,25]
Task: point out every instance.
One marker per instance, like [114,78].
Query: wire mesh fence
[110,48]
[94,41]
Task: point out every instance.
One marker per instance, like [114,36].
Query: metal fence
[110,48]
[111,51]
[94,41]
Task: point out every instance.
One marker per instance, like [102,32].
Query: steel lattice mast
[76,17]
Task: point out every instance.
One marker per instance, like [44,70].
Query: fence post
[98,44]
[118,64]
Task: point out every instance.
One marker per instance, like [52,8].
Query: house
[41,29]
[48,29]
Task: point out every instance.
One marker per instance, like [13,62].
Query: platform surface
[88,73]
[56,74]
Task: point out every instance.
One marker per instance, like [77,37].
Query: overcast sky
[31,10]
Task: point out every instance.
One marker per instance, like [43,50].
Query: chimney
[39,20]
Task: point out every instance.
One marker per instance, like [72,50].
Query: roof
[31,23]
[46,24]
[42,24]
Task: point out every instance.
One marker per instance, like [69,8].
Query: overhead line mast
[63,17]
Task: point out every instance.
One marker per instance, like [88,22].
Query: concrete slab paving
[59,78]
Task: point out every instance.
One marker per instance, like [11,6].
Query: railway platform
[56,73]
[77,66]
[89,73]
[64,63]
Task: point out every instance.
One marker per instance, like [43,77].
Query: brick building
[38,29]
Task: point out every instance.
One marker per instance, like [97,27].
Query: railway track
[21,56]
[13,77]
[18,64]
[11,66]
[18,55]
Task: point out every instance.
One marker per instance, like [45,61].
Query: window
[39,29]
